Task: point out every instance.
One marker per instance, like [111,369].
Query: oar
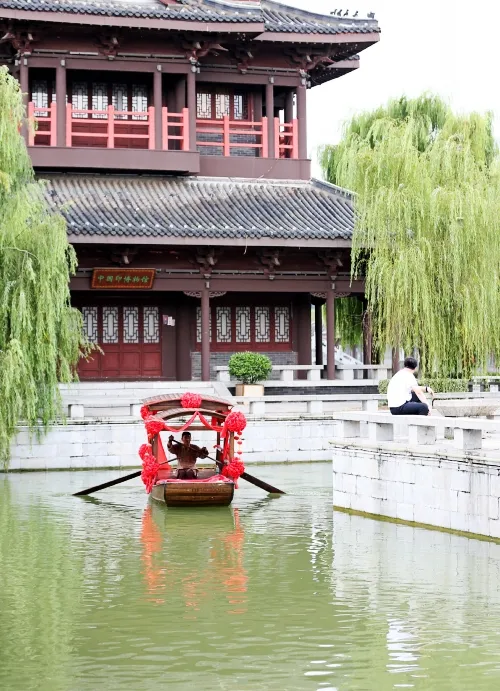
[96,488]
[249,478]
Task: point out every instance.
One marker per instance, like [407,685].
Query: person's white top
[400,388]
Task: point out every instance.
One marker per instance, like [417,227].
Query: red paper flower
[149,470]
[154,427]
[191,400]
[233,470]
[236,422]
[145,449]
[145,412]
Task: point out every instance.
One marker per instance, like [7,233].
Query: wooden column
[289,106]
[158,103]
[302,120]
[61,103]
[304,354]
[191,104]
[205,335]
[330,334]
[270,117]
[24,81]
[257,106]
[180,95]
[395,360]
[318,332]
[367,335]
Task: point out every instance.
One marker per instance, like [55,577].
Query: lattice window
[90,323]
[243,334]
[281,324]
[204,105]
[110,324]
[151,325]
[120,99]
[223,320]
[131,325]
[139,101]
[240,107]
[222,105]
[99,99]
[198,325]
[80,98]
[40,96]
[262,325]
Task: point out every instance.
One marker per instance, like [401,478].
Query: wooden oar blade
[96,488]
[260,483]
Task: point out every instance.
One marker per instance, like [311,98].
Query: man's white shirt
[400,388]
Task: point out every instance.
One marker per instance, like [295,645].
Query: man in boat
[187,455]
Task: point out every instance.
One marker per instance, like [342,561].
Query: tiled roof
[218,209]
[275,16]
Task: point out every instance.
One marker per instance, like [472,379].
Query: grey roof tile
[276,17]
[204,208]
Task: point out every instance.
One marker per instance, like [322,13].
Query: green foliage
[249,368]
[348,321]
[427,225]
[40,334]
[437,384]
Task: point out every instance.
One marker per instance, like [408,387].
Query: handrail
[112,122]
[181,122]
[227,129]
[45,115]
[286,138]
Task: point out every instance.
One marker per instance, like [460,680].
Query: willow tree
[40,333]
[427,228]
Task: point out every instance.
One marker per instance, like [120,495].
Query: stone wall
[460,493]
[221,359]
[104,444]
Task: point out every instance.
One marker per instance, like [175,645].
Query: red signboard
[123,279]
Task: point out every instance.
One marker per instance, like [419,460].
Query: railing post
[111,127]
[295,138]
[31,123]
[265,138]
[226,148]
[151,127]
[276,137]
[69,124]
[53,124]
[164,128]
[185,130]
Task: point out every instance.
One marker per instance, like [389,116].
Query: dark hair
[410,363]
[186,434]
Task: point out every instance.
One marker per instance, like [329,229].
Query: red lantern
[191,400]
[236,422]
[233,470]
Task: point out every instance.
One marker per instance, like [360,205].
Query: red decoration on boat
[154,427]
[191,400]
[236,422]
[145,449]
[150,468]
[233,470]
[145,412]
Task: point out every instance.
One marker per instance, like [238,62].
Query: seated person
[187,455]
[404,395]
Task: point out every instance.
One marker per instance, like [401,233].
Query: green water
[280,594]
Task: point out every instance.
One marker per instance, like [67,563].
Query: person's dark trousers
[413,407]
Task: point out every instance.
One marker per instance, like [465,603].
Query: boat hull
[194,493]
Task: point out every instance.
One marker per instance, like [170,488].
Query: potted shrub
[249,368]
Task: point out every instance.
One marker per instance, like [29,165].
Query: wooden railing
[46,125]
[110,126]
[179,122]
[227,130]
[286,140]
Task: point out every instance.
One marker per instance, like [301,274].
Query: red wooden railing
[46,125]
[286,140]
[226,130]
[110,126]
[179,122]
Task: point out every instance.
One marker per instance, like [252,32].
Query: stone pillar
[191,104]
[330,334]
[302,121]
[205,335]
[158,103]
[61,103]
[318,332]
[270,116]
[289,106]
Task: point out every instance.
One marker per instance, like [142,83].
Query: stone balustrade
[286,372]
[314,404]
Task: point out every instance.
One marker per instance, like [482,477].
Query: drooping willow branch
[40,333]
[427,226]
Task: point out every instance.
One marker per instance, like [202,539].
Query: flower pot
[249,390]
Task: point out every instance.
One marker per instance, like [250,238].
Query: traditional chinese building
[172,133]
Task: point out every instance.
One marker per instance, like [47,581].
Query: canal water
[268,594]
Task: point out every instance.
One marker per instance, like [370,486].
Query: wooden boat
[203,491]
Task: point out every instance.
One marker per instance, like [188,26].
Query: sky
[448,47]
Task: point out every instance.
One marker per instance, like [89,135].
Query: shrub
[249,368]
[438,385]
